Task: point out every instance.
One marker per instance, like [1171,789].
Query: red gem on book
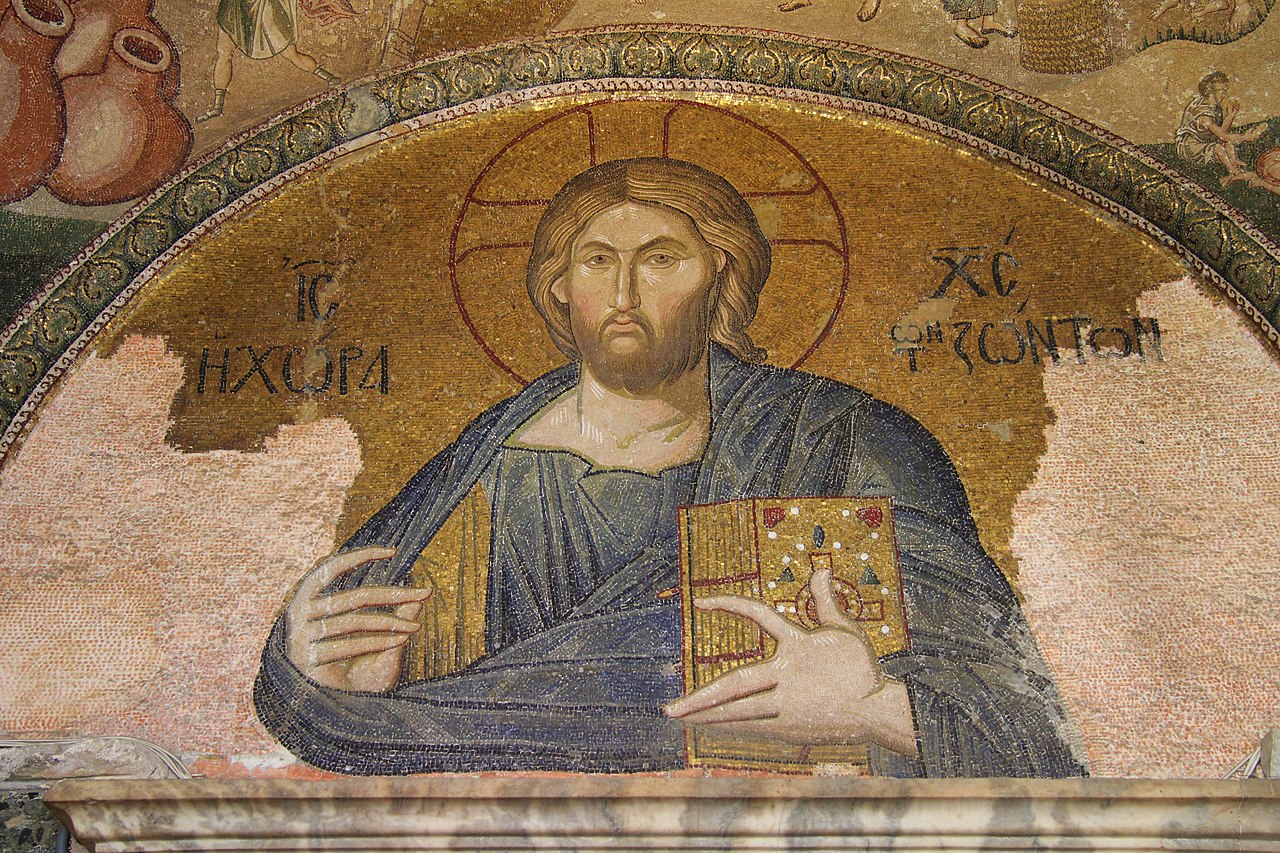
[872,516]
[773,515]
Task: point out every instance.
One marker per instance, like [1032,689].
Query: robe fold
[1193,138]
[579,684]
[260,29]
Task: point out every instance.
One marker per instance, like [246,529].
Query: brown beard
[659,361]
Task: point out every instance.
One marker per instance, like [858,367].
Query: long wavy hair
[718,211]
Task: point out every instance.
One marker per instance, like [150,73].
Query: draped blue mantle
[583,690]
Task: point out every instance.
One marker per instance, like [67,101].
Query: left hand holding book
[821,686]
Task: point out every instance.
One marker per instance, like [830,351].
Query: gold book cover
[767,548]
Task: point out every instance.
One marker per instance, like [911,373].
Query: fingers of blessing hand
[336,565]
[770,621]
[362,623]
[739,684]
[354,646]
[409,610]
[366,596]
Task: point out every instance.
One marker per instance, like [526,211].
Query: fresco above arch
[967,457]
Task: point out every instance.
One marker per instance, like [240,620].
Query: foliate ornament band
[1040,136]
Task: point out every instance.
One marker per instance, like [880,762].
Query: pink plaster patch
[1149,545]
[140,582]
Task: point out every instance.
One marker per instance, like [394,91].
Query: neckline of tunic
[593,469]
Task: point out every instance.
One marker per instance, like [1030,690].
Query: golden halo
[798,213]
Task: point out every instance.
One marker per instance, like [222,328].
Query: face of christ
[640,287]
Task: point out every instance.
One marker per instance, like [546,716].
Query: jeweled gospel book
[767,549]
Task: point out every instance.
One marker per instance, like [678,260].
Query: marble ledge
[657,813]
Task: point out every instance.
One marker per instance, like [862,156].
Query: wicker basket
[1063,36]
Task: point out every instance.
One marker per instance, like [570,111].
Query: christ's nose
[625,296]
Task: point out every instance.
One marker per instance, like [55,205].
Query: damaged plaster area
[140,581]
[1149,543]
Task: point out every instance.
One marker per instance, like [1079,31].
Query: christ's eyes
[661,260]
[599,260]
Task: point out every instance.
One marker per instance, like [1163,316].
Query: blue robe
[576,674]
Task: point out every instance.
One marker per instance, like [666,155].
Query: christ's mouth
[625,324]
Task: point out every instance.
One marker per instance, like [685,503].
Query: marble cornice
[658,813]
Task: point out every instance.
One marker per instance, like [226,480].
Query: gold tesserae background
[408,256]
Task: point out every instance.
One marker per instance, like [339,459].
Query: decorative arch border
[61,320]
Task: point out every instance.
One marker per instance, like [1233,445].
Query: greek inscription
[320,354]
[1006,343]
[282,368]
[992,273]
[257,368]
[1077,324]
[1005,357]
[1004,286]
[962,330]
[221,367]
[1098,343]
[1042,335]
[955,261]
[1150,333]
[313,291]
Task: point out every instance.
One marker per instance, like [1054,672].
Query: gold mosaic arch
[49,334]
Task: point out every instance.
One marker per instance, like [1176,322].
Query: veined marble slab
[648,813]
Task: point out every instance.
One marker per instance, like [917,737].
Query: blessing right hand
[349,640]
